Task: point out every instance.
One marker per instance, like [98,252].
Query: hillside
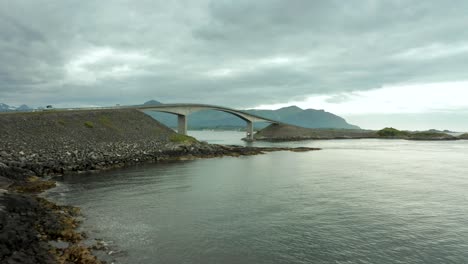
[79,140]
[95,126]
[309,118]
[294,115]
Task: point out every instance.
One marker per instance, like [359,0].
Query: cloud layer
[234,53]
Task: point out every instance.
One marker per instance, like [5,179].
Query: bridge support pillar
[182,124]
[249,131]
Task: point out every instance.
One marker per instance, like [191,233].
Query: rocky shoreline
[97,159]
[36,147]
[31,226]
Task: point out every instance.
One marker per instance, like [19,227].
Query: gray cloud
[236,53]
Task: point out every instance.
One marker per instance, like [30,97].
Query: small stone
[59,244]
[100,245]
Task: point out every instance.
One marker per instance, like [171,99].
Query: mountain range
[8,108]
[293,115]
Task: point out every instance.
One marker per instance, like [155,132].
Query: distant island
[275,132]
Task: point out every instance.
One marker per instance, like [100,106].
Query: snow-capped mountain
[8,108]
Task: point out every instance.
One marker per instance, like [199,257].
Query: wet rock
[19,240]
[99,245]
[59,244]
[5,182]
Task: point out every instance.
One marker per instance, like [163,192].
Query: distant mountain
[152,102]
[8,108]
[293,115]
[23,107]
[5,108]
[309,118]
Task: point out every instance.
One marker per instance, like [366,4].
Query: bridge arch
[183,110]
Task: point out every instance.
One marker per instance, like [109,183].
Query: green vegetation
[179,138]
[89,124]
[463,136]
[391,132]
[105,121]
[428,135]
[61,122]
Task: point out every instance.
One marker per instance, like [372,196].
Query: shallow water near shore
[355,201]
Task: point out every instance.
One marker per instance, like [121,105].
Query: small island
[281,132]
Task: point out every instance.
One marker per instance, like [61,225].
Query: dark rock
[19,240]
[5,182]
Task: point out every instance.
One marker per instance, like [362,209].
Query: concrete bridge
[182,110]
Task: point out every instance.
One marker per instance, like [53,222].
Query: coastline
[35,147]
[36,230]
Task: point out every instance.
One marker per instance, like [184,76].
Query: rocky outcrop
[19,239]
[281,132]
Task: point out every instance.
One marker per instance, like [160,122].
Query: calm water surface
[355,201]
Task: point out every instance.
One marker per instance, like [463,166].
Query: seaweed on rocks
[28,223]
[20,241]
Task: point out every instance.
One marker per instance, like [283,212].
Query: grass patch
[179,138]
[89,124]
[428,134]
[105,121]
[61,122]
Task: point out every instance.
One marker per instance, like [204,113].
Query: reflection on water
[356,201]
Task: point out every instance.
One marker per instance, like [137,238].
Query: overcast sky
[376,63]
